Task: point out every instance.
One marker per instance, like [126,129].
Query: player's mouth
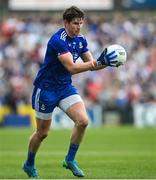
[77,31]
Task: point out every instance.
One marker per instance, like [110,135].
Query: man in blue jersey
[53,87]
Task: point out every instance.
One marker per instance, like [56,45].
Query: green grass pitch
[106,153]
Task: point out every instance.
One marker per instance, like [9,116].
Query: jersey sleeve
[85,44]
[58,45]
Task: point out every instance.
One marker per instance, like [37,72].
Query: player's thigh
[77,112]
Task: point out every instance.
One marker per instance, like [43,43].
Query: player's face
[73,28]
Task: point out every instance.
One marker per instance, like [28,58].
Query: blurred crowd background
[23,38]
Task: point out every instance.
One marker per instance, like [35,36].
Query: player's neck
[69,34]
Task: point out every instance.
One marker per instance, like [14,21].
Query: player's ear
[65,22]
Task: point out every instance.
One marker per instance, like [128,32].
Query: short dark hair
[72,13]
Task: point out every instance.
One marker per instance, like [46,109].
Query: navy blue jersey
[53,75]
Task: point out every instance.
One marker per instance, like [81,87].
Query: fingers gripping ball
[121,53]
[107,59]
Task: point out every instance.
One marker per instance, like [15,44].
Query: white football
[120,51]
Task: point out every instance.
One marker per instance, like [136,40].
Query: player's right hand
[107,59]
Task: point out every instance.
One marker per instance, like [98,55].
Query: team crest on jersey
[80,45]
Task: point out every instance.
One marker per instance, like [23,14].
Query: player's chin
[77,33]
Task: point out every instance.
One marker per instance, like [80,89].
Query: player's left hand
[107,59]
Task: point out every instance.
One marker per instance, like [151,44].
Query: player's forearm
[95,68]
[82,67]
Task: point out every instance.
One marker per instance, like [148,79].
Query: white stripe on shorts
[37,99]
[65,103]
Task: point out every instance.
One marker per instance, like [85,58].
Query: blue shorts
[44,101]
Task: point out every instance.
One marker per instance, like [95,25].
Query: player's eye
[76,23]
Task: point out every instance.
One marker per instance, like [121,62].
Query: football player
[53,87]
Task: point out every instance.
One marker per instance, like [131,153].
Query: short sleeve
[58,45]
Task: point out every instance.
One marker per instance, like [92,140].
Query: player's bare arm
[87,56]
[74,68]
